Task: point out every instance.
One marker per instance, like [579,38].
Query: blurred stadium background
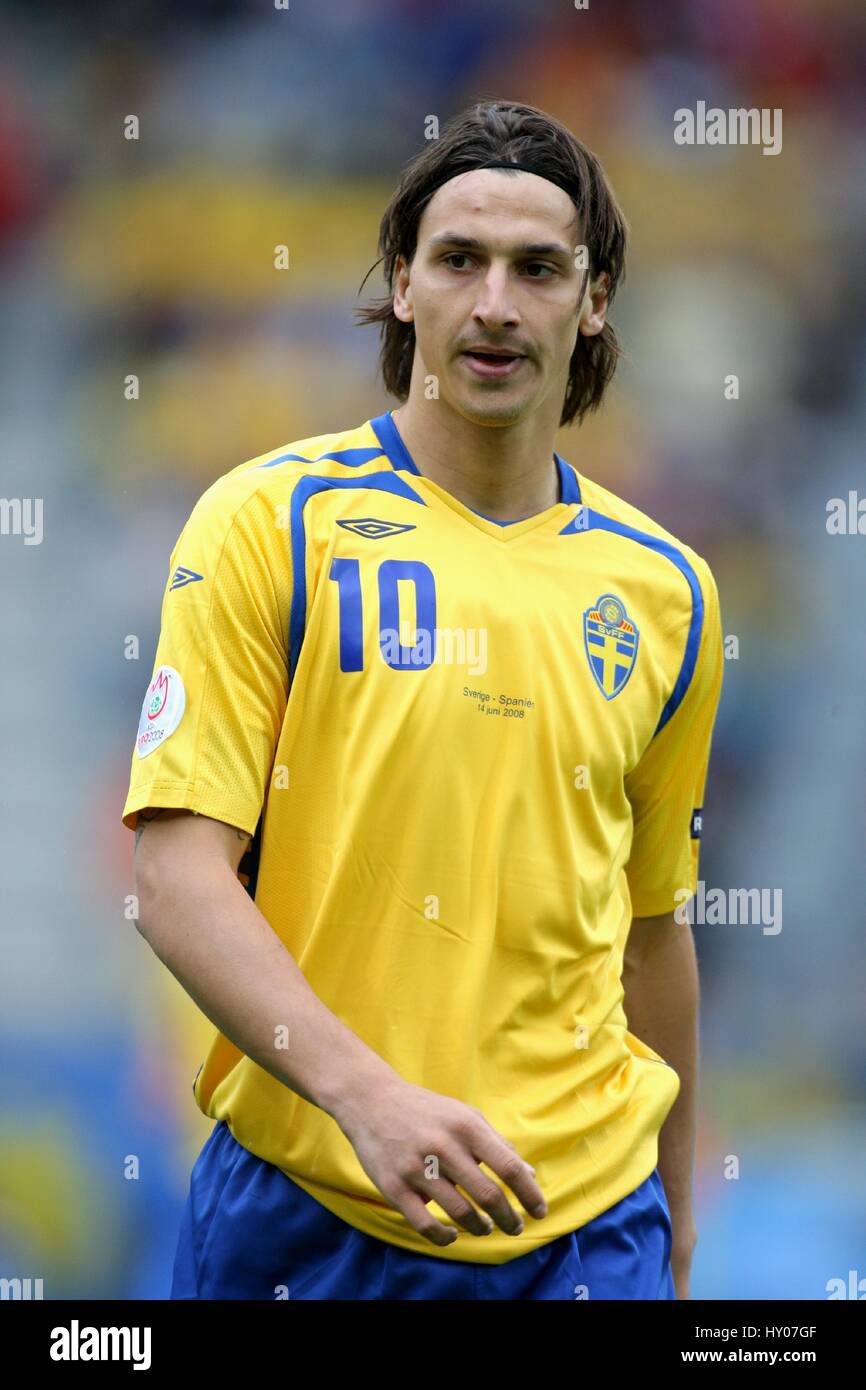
[155,257]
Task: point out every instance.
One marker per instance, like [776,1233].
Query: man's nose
[495,303]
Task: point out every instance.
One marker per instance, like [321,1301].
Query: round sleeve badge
[162,710]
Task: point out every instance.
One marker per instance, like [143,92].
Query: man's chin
[491,409]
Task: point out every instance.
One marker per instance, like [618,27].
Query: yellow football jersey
[468,751]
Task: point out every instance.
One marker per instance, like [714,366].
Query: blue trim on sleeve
[306,488]
[588,520]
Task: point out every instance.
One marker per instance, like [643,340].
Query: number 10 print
[347,576]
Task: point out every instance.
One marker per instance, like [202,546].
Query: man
[417,792]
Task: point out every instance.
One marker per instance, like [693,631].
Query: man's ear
[403,308]
[594,312]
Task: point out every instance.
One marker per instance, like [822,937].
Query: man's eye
[538,265]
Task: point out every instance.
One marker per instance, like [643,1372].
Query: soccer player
[417,792]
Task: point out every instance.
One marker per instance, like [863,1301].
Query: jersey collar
[399,457]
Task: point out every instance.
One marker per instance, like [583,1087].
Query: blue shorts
[248,1231]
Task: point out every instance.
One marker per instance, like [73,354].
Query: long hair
[505,130]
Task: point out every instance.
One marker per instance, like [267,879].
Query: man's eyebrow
[529,248]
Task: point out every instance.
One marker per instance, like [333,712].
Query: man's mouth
[493,363]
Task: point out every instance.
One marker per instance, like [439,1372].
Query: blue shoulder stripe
[304,489]
[588,520]
[353,458]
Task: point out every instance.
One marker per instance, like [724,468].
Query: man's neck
[504,473]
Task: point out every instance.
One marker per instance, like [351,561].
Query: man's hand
[400,1129]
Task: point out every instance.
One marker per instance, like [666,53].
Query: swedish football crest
[611,641]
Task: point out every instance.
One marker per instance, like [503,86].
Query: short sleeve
[215,703]
[666,788]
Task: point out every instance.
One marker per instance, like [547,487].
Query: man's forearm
[660,979]
[209,933]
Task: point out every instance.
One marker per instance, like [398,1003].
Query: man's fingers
[492,1149]
[424,1222]
[515,1149]
[488,1194]
[457,1206]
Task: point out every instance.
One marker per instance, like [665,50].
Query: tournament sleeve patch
[697,822]
[162,710]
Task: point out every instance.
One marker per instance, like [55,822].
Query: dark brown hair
[505,130]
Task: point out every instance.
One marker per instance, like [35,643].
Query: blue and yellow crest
[611,642]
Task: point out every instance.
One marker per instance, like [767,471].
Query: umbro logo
[183,576]
[374,529]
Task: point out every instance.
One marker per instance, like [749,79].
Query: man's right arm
[203,925]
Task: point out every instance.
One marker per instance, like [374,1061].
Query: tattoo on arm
[155,812]
[144,819]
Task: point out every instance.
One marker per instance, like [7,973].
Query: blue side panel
[588,520]
[304,489]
